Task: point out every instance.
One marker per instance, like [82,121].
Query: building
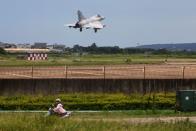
[59,47]
[1,45]
[39,45]
[56,48]
[7,45]
[26,46]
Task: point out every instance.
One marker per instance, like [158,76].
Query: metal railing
[101,72]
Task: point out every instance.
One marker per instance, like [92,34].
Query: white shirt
[59,109]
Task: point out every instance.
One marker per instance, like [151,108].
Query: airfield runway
[163,71]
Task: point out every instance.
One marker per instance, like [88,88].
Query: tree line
[2,51]
[94,49]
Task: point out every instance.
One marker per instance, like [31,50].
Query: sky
[128,22]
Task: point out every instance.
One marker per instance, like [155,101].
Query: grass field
[104,121]
[95,121]
[12,60]
[62,59]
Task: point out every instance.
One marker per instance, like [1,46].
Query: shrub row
[89,102]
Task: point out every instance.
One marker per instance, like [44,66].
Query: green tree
[2,51]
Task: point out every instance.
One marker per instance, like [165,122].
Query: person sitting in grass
[58,109]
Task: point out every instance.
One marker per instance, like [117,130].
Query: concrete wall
[128,86]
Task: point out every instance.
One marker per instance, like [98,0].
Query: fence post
[66,71]
[104,72]
[144,72]
[183,72]
[32,71]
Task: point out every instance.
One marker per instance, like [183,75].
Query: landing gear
[95,29]
[80,29]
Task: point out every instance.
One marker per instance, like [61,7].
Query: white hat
[58,100]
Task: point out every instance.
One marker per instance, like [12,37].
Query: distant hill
[172,47]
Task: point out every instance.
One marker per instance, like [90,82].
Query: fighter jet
[93,22]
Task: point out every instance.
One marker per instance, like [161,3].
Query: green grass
[133,114]
[85,122]
[53,60]
[62,59]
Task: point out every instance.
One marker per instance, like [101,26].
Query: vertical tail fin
[80,16]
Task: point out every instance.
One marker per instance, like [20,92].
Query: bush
[89,102]
[2,51]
